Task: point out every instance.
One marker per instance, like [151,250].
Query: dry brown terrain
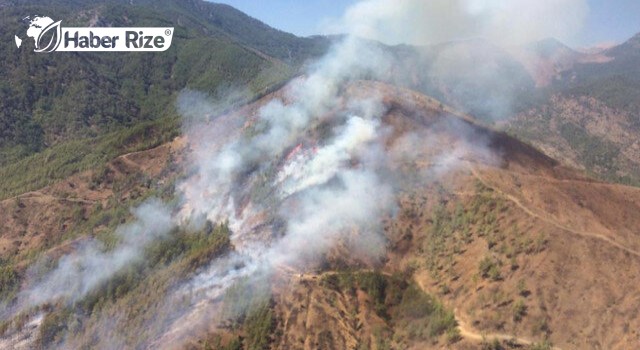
[566,247]
[43,217]
[521,247]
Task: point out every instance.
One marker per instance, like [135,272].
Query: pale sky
[607,20]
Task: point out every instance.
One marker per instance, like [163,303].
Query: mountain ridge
[524,191]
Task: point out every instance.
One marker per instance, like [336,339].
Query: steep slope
[548,59]
[590,117]
[63,103]
[472,75]
[505,238]
[586,133]
[508,243]
[513,244]
[48,99]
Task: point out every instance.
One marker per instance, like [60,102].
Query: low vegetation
[454,227]
[259,326]
[410,313]
[134,291]
[60,161]
[594,152]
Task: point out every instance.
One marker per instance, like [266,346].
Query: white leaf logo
[54,31]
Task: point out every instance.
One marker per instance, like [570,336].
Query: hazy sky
[607,20]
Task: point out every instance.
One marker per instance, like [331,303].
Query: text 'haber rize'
[133,39]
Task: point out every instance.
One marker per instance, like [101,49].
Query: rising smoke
[428,22]
[310,171]
[91,263]
[321,186]
[471,54]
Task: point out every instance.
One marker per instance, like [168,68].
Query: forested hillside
[79,101]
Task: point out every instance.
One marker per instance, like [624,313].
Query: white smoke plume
[226,170]
[472,54]
[90,264]
[318,167]
[428,22]
[326,214]
[291,191]
[279,126]
[306,174]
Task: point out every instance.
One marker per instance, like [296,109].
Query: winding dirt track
[551,221]
[466,331]
[469,333]
[42,196]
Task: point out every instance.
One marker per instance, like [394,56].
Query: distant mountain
[473,75]
[616,82]
[628,50]
[547,59]
[591,119]
[551,47]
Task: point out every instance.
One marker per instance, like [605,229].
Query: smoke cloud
[293,169]
[471,54]
[422,22]
[304,176]
[307,173]
[91,264]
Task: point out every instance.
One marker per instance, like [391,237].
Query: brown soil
[581,270]
[43,217]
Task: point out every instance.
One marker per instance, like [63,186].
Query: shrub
[453,335]
[425,312]
[234,344]
[540,326]
[53,324]
[492,345]
[489,268]
[545,345]
[258,326]
[8,281]
[519,310]
[522,288]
